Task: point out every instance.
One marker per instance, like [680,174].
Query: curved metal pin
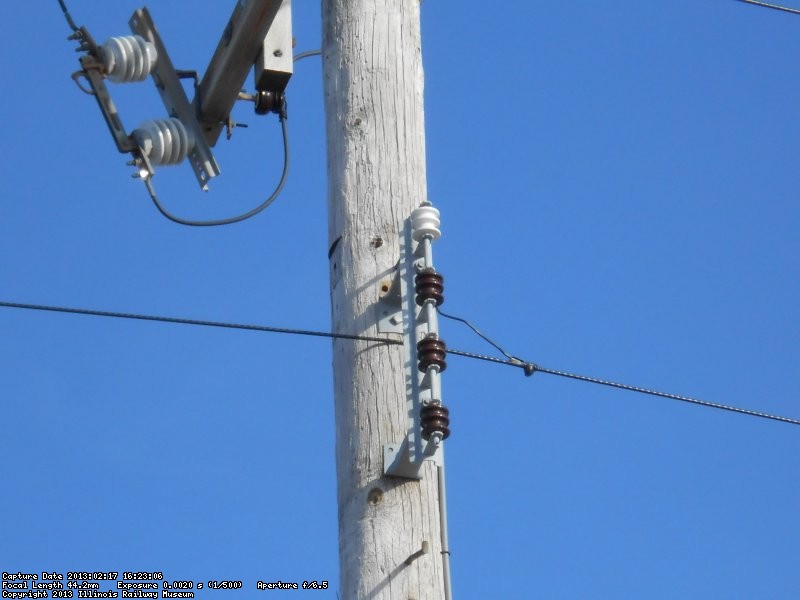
[421,552]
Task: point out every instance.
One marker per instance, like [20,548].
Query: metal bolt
[278,53]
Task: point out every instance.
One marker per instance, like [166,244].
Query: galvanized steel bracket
[399,462]
[174,97]
[405,458]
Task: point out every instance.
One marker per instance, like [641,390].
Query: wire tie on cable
[528,367]
[282,109]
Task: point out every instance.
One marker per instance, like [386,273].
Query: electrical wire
[242,217]
[181,321]
[775,6]
[475,329]
[640,390]
[306,54]
[528,367]
[71,23]
[531,368]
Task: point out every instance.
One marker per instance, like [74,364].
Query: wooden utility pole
[373,81]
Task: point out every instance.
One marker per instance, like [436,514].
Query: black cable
[242,217]
[632,388]
[512,362]
[775,6]
[306,54]
[475,329]
[121,315]
[529,367]
[72,24]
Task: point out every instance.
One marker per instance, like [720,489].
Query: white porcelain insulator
[129,58]
[165,141]
[425,223]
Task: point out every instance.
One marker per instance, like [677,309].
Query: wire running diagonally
[649,392]
[475,329]
[68,16]
[528,367]
[774,6]
[536,368]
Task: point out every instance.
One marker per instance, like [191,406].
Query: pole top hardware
[258,36]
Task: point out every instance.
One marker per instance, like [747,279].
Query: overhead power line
[775,6]
[180,321]
[531,368]
[528,367]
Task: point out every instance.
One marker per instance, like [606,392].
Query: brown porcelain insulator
[432,351]
[433,418]
[430,286]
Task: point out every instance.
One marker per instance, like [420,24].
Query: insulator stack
[435,418]
[129,58]
[425,353]
[430,286]
[432,352]
[165,141]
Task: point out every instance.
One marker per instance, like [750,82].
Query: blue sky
[618,190]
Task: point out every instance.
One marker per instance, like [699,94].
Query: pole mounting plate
[397,464]
[390,305]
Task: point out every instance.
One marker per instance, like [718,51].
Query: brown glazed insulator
[431,351]
[429,286]
[267,102]
[435,417]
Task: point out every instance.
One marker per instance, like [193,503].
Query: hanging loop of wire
[217,222]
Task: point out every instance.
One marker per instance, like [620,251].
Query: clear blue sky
[619,195]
